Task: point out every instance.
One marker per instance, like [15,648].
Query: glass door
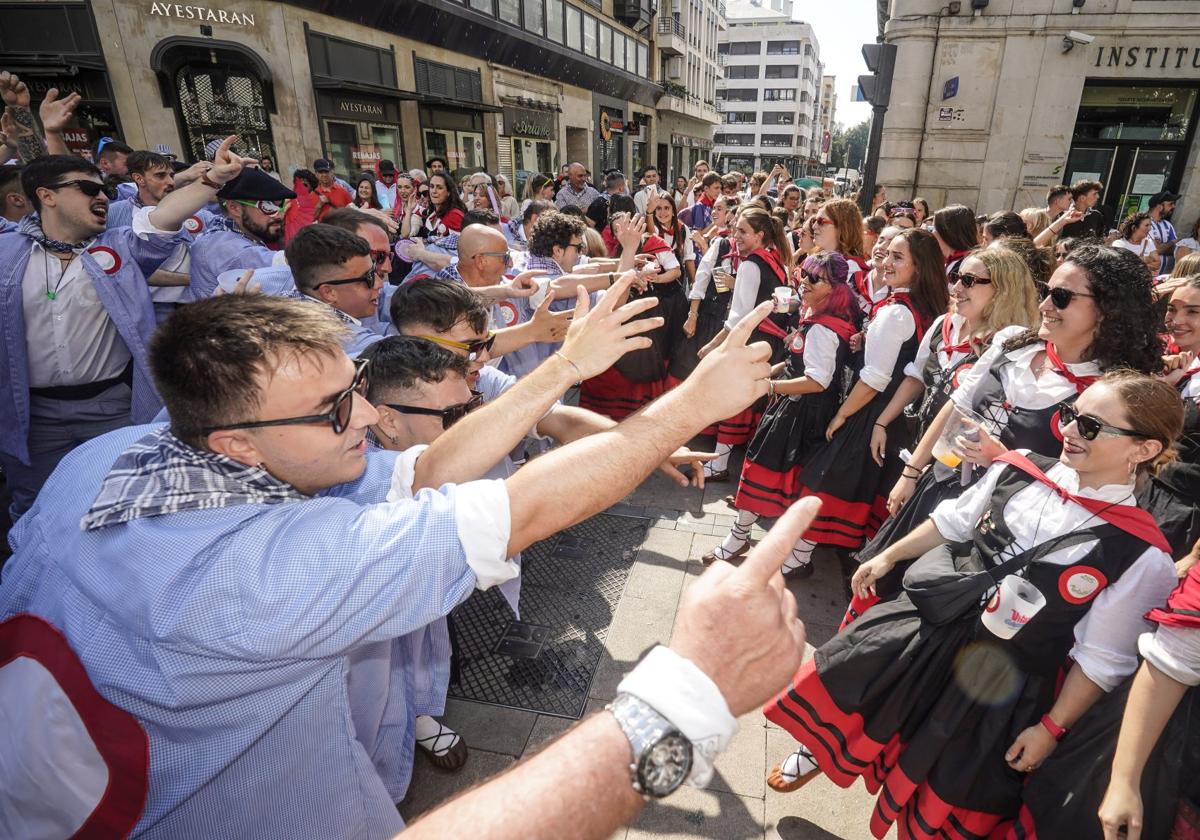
[1091,164]
[470,154]
[341,138]
[386,140]
[1149,172]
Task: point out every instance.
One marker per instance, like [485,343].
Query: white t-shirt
[1146,246]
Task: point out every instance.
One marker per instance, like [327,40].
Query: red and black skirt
[923,714]
[790,430]
[738,429]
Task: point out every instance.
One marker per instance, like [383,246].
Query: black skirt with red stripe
[923,714]
[614,395]
[739,428]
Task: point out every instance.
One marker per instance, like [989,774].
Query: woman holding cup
[710,295]
[946,711]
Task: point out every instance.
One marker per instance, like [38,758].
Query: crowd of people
[266,430]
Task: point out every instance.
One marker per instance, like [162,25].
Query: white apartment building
[686,35]
[828,115]
[770,93]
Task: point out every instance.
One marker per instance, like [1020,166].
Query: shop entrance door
[356,147]
[463,150]
[529,158]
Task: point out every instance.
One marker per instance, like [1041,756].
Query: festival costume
[924,712]
[221,249]
[713,309]
[640,376]
[794,426]
[842,473]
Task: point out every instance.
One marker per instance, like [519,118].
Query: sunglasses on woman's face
[821,221]
[450,415]
[1090,427]
[810,277]
[968,280]
[1060,296]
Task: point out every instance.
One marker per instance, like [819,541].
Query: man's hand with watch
[737,642]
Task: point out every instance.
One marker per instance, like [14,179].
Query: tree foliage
[848,147]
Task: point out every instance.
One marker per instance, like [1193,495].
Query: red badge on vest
[508,313]
[959,372]
[798,343]
[1056,426]
[105,257]
[1079,584]
[194,225]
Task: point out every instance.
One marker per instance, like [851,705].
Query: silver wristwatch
[662,755]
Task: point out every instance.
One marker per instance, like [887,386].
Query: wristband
[679,691]
[881,426]
[578,373]
[904,471]
[771,388]
[209,182]
[1059,732]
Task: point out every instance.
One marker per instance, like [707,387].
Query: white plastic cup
[783,300]
[1015,603]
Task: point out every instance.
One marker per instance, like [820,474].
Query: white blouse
[1106,638]
[745,292]
[934,333]
[1022,386]
[820,356]
[886,333]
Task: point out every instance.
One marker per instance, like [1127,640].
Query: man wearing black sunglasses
[78,312]
[334,267]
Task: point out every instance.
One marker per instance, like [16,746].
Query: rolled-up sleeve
[886,334]
[820,355]
[745,292]
[1175,651]
[704,272]
[955,519]
[1106,639]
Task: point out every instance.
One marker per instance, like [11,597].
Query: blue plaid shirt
[227,631]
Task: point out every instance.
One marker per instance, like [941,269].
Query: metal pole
[867,191]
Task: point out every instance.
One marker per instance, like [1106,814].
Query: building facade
[770,93]
[991,108]
[511,86]
[828,115]
[686,36]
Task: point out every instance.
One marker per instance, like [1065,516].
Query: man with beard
[252,222]
[1162,205]
[77,314]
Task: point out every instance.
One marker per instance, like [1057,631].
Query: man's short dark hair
[875,223]
[142,161]
[573,210]
[1056,192]
[536,208]
[205,358]
[650,168]
[613,179]
[308,177]
[113,148]
[1081,188]
[710,179]
[400,362]
[480,217]
[10,181]
[728,182]
[445,164]
[317,248]
[439,304]
[48,170]
[349,218]
[554,229]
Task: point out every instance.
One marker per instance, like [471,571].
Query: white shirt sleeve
[704,272]
[640,199]
[820,355]
[1175,651]
[667,260]
[142,225]
[404,473]
[955,519]
[745,292]
[1106,639]
[886,334]
[924,349]
[970,381]
[689,248]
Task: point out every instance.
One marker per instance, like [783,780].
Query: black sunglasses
[450,415]
[968,280]
[1089,426]
[810,277]
[89,188]
[1061,297]
[338,417]
[367,279]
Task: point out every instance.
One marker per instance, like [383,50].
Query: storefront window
[457,136]
[1109,112]
[218,100]
[529,158]
[534,17]
[638,159]
[554,20]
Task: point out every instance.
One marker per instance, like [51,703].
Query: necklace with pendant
[52,294]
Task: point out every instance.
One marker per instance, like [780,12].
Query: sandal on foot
[719,553]
[801,572]
[782,782]
[717,477]
[446,750]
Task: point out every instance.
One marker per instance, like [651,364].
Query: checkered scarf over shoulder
[162,474]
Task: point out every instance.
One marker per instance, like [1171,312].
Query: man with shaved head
[577,192]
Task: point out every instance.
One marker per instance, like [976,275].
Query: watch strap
[644,727]
[209,182]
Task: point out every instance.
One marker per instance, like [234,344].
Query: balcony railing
[668,25]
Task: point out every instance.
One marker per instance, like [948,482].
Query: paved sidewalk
[737,804]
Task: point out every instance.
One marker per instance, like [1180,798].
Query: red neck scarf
[1060,367]
[956,255]
[841,327]
[705,200]
[900,296]
[771,257]
[1183,607]
[948,348]
[1129,518]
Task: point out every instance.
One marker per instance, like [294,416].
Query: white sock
[434,736]
[800,763]
[738,535]
[721,462]
[801,556]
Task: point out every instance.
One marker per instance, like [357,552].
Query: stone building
[686,34]
[993,102]
[515,86]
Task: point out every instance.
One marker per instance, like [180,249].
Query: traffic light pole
[866,192]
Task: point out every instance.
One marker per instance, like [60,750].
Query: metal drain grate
[570,588]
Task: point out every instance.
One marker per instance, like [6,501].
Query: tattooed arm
[16,101]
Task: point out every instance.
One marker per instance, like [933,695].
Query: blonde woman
[509,206]
[1036,220]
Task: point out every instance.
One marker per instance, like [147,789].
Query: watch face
[665,765]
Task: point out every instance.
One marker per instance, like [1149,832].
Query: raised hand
[734,374]
[740,626]
[192,173]
[227,165]
[550,326]
[56,113]
[630,232]
[598,337]
[525,284]
[14,92]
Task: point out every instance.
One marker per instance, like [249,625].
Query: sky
[842,27]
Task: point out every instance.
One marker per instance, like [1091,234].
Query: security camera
[1080,37]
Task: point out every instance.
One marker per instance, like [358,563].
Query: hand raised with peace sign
[740,625]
